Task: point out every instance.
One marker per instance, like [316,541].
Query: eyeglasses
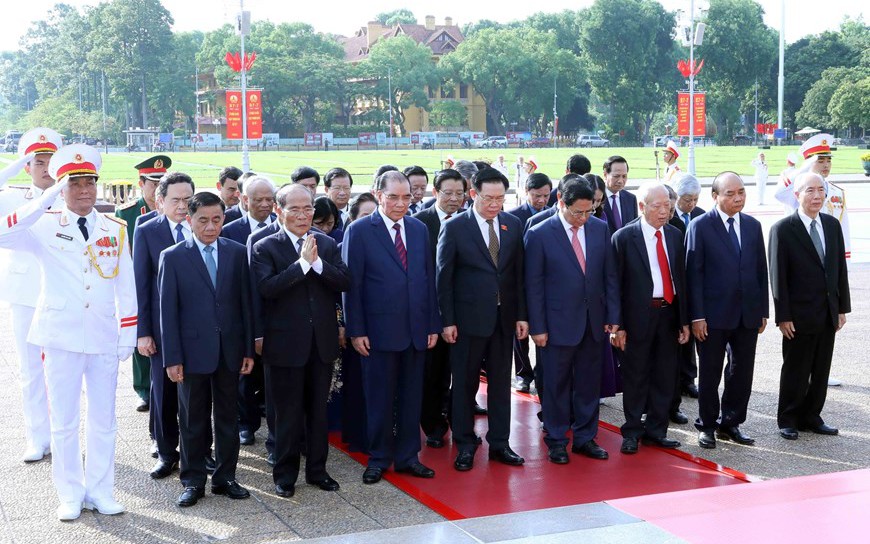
[307,210]
[453,194]
[580,213]
[489,199]
[397,198]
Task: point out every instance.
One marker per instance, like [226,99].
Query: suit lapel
[561,239]
[164,231]
[640,245]
[223,263]
[195,256]
[623,204]
[804,238]
[384,237]
[473,227]
[830,242]
[506,239]
[721,231]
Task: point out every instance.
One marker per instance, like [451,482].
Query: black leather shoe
[678,417]
[163,469]
[231,489]
[707,440]
[246,438]
[824,429]
[736,435]
[629,445]
[326,483]
[434,442]
[143,406]
[789,433]
[372,475]
[210,464]
[479,410]
[590,449]
[417,469]
[464,461]
[507,456]
[270,459]
[663,442]
[689,390]
[285,491]
[558,455]
[190,496]
[522,385]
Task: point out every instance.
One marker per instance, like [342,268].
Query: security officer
[20,281]
[85,321]
[150,172]
[670,154]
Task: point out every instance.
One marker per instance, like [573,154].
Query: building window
[463,90]
[431,92]
[447,91]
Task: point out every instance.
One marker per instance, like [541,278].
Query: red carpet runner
[493,488]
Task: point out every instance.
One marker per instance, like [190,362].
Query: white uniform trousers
[31,376]
[64,371]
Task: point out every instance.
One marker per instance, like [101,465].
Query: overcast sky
[803,17]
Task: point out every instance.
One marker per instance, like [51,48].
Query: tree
[738,49]
[850,104]
[814,111]
[628,49]
[448,113]
[402,16]
[404,67]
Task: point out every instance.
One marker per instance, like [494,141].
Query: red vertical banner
[700,115]
[255,114]
[682,114]
[234,115]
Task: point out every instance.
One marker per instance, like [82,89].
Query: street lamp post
[244,27]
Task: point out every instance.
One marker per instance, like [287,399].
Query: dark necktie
[733,235]
[493,242]
[686,219]
[617,214]
[261,225]
[83,227]
[179,233]
[817,240]
[400,246]
[299,243]
[667,284]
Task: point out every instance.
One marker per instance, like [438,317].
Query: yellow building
[441,39]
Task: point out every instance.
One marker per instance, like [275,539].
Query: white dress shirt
[649,238]
[581,232]
[807,220]
[724,218]
[389,223]
[185,228]
[90,220]
[317,265]
[442,215]
[253,222]
[484,227]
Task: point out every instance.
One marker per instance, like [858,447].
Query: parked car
[742,139]
[540,141]
[492,141]
[592,140]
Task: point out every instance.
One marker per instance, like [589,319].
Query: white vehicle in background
[592,140]
[493,141]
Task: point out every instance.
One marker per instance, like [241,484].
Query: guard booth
[141,139]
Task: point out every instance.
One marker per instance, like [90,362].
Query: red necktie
[400,246]
[667,285]
[578,249]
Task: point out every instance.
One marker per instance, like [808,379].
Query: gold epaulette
[127,205]
[115,219]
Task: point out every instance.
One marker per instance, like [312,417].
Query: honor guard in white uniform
[20,285]
[85,321]
[670,154]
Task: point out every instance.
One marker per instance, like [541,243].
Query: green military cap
[154,167]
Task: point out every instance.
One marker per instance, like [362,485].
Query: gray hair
[648,188]
[466,168]
[286,191]
[252,182]
[688,185]
[802,179]
[390,175]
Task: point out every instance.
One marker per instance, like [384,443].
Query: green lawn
[204,166]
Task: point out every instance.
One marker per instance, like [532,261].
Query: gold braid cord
[96,265]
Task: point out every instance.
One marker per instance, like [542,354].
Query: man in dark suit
[151,237]
[577,164]
[569,318]
[811,297]
[259,200]
[208,340]
[620,206]
[726,274]
[538,187]
[483,305]
[650,258]
[307,177]
[339,186]
[299,273]
[449,190]
[228,186]
[391,315]
[419,180]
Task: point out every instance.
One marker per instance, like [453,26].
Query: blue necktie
[733,235]
[179,233]
[210,264]
[686,219]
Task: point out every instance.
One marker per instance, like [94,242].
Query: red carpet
[493,488]
[829,507]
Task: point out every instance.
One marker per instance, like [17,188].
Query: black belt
[659,303]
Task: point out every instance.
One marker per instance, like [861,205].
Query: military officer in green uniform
[150,172]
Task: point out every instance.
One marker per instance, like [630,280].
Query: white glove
[14,168]
[125,352]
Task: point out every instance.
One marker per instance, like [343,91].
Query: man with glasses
[339,184]
[391,315]
[483,306]
[570,319]
[449,190]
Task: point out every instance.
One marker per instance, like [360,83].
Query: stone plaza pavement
[28,500]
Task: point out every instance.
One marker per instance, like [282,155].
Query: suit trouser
[199,397]
[64,373]
[299,396]
[466,357]
[688,371]
[522,362]
[738,377]
[436,390]
[250,418]
[393,388]
[649,371]
[164,411]
[142,375]
[573,375]
[803,381]
[31,375]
